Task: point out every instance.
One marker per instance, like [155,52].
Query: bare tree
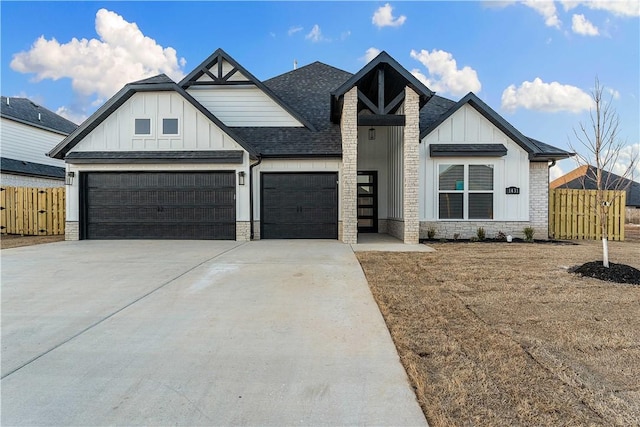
[603,147]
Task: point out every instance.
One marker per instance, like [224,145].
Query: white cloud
[383,17]
[547,9]
[371,53]
[444,75]
[626,155]
[100,66]
[70,114]
[315,35]
[617,7]
[581,25]
[549,97]
[613,93]
[294,30]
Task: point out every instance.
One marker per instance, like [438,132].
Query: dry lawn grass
[501,334]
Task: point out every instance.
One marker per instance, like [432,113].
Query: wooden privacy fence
[572,214]
[32,211]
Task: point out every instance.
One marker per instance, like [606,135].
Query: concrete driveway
[196,333]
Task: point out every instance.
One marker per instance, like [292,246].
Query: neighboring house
[583,177]
[316,152]
[28,132]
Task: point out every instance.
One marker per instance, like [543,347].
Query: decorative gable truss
[236,97]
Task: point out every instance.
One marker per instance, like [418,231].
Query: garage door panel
[163,205]
[299,205]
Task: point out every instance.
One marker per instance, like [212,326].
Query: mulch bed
[618,273]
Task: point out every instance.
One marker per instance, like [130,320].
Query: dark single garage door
[151,205]
[299,206]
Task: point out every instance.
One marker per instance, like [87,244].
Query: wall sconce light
[241,178]
[372,134]
[68,178]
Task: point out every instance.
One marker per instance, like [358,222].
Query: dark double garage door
[202,205]
[150,205]
[299,206]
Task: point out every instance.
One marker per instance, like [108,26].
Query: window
[465,191]
[170,126]
[142,126]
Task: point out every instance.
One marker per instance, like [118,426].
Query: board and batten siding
[467,126]
[372,156]
[195,130]
[243,106]
[28,143]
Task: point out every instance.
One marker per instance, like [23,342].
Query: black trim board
[467,150]
[381,120]
[149,157]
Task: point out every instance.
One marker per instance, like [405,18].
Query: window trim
[465,191]
[177,119]
[150,126]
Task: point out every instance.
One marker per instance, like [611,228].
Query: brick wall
[539,198]
[71,230]
[411,164]
[243,231]
[349,185]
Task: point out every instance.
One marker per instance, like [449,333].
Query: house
[316,152]
[584,177]
[28,132]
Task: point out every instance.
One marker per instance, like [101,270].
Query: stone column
[349,181]
[411,163]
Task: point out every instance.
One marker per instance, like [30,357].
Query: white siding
[30,144]
[395,159]
[372,156]
[243,106]
[195,130]
[467,126]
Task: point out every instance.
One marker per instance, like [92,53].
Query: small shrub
[456,236]
[481,233]
[443,240]
[473,239]
[501,236]
[431,233]
[528,234]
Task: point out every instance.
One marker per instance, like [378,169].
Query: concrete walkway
[196,333]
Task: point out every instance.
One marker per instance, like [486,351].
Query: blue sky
[533,62]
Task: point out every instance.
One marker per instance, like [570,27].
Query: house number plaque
[513,190]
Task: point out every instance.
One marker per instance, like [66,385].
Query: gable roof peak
[160,78]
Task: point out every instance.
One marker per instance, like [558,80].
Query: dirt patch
[8,241]
[506,335]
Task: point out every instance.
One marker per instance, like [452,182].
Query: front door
[367,202]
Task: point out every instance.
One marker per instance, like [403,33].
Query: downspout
[251,195]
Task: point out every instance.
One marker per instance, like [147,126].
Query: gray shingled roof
[307,90]
[21,167]
[587,182]
[25,111]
